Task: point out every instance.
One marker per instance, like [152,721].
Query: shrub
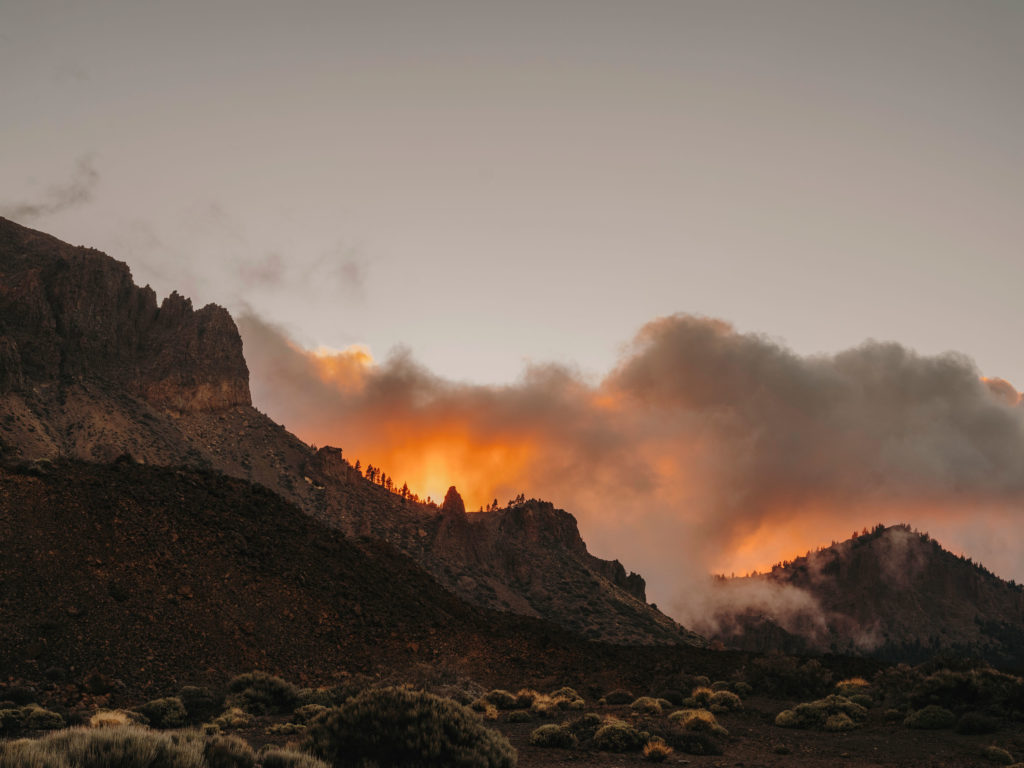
[656,751]
[724,701]
[742,688]
[35,718]
[701,681]
[320,696]
[165,713]
[862,699]
[997,755]
[838,722]
[525,698]
[975,723]
[852,686]
[932,717]
[584,728]
[395,726]
[200,703]
[286,729]
[31,718]
[815,714]
[125,747]
[645,705]
[700,697]
[502,699]
[520,716]
[618,697]
[234,718]
[672,696]
[307,712]
[784,676]
[228,752]
[261,694]
[552,735]
[693,742]
[275,757]
[697,720]
[112,718]
[617,736]
[565,692]
[544,706]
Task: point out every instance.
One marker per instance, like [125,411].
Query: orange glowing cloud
[704,449]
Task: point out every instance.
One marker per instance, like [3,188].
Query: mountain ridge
[91,368]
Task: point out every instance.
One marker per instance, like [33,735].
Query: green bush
[646,705]
[724,701]
[657,751]
[200,703]
[785,676]
[261,694]
[165,713]
[852,686]
[565,692]
[397,726]
[35,718]
[525,698]
[618,697]
[124,747]
[234,718]
[692,742]
[584,728]
[228,752]
[976,723]
[618,736]
[320,696]
[697,720]
[307,712]
[997,755]
[700,697]
[520,716]
[28,718]
[932,717]
[502,699]
[275,757]
[551,735]
[838,722]
[816,714]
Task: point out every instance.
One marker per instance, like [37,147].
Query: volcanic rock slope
[93,368]
[892,593]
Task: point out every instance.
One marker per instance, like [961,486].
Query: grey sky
[487,183]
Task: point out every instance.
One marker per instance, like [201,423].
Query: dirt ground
[755,742]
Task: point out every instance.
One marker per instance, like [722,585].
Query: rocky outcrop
[70,314]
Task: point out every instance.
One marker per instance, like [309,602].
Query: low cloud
[704,449]
[77,191]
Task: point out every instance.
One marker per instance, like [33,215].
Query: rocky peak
[453,503]
[72,313]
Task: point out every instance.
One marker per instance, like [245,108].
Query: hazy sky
[489,183]
[486,185]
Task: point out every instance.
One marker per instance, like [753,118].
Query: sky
[480,195]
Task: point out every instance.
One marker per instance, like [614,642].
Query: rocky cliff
[91,367]
[69,314]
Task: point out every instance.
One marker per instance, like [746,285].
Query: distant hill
[93,368]
[892,593]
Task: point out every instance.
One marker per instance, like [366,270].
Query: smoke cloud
[703,450]
[79,190]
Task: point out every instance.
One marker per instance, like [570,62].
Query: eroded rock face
[70,313]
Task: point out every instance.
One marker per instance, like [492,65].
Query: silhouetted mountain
[92,368]
[892,593]
[154,575]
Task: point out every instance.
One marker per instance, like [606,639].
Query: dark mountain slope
[92,368]
[892,593]
[155,575]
